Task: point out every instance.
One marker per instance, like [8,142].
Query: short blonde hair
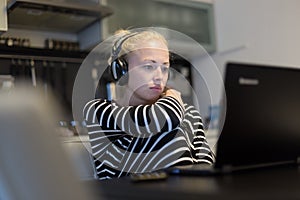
[135,39]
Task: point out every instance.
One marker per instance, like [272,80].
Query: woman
[148,127]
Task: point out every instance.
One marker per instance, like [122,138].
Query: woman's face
[148,71]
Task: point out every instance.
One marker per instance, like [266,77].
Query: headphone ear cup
[119,68]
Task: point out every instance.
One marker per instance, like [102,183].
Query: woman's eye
[148,67]
[165,69]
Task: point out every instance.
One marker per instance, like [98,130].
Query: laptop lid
[262,118]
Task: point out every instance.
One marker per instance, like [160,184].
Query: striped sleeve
[164,115]
[201,151]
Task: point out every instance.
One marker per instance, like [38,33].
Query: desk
[272,183]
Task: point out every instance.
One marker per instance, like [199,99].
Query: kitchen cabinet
[192,18]
[78,20]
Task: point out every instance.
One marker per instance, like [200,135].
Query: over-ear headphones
[119,66]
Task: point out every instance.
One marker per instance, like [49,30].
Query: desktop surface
[262,126]
[268,183]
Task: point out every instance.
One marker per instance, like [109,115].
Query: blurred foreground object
[33,163]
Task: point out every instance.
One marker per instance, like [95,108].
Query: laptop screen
[262,123]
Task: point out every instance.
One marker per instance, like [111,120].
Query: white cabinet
[193,18]
[3,16]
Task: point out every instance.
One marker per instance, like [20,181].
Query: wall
[256,31]
[3,17]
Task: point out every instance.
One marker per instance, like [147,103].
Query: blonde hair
[134,39]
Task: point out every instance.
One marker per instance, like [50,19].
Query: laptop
[262,120]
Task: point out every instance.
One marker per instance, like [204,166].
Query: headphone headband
[117,47]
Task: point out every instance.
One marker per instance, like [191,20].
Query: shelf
[42,54]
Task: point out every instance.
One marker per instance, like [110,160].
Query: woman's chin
[153,98]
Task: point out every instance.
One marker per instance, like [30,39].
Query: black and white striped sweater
[144,138]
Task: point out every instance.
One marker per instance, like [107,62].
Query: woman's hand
[175,94]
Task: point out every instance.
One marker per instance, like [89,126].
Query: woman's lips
[157,88]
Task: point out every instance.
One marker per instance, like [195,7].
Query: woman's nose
[158,74]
